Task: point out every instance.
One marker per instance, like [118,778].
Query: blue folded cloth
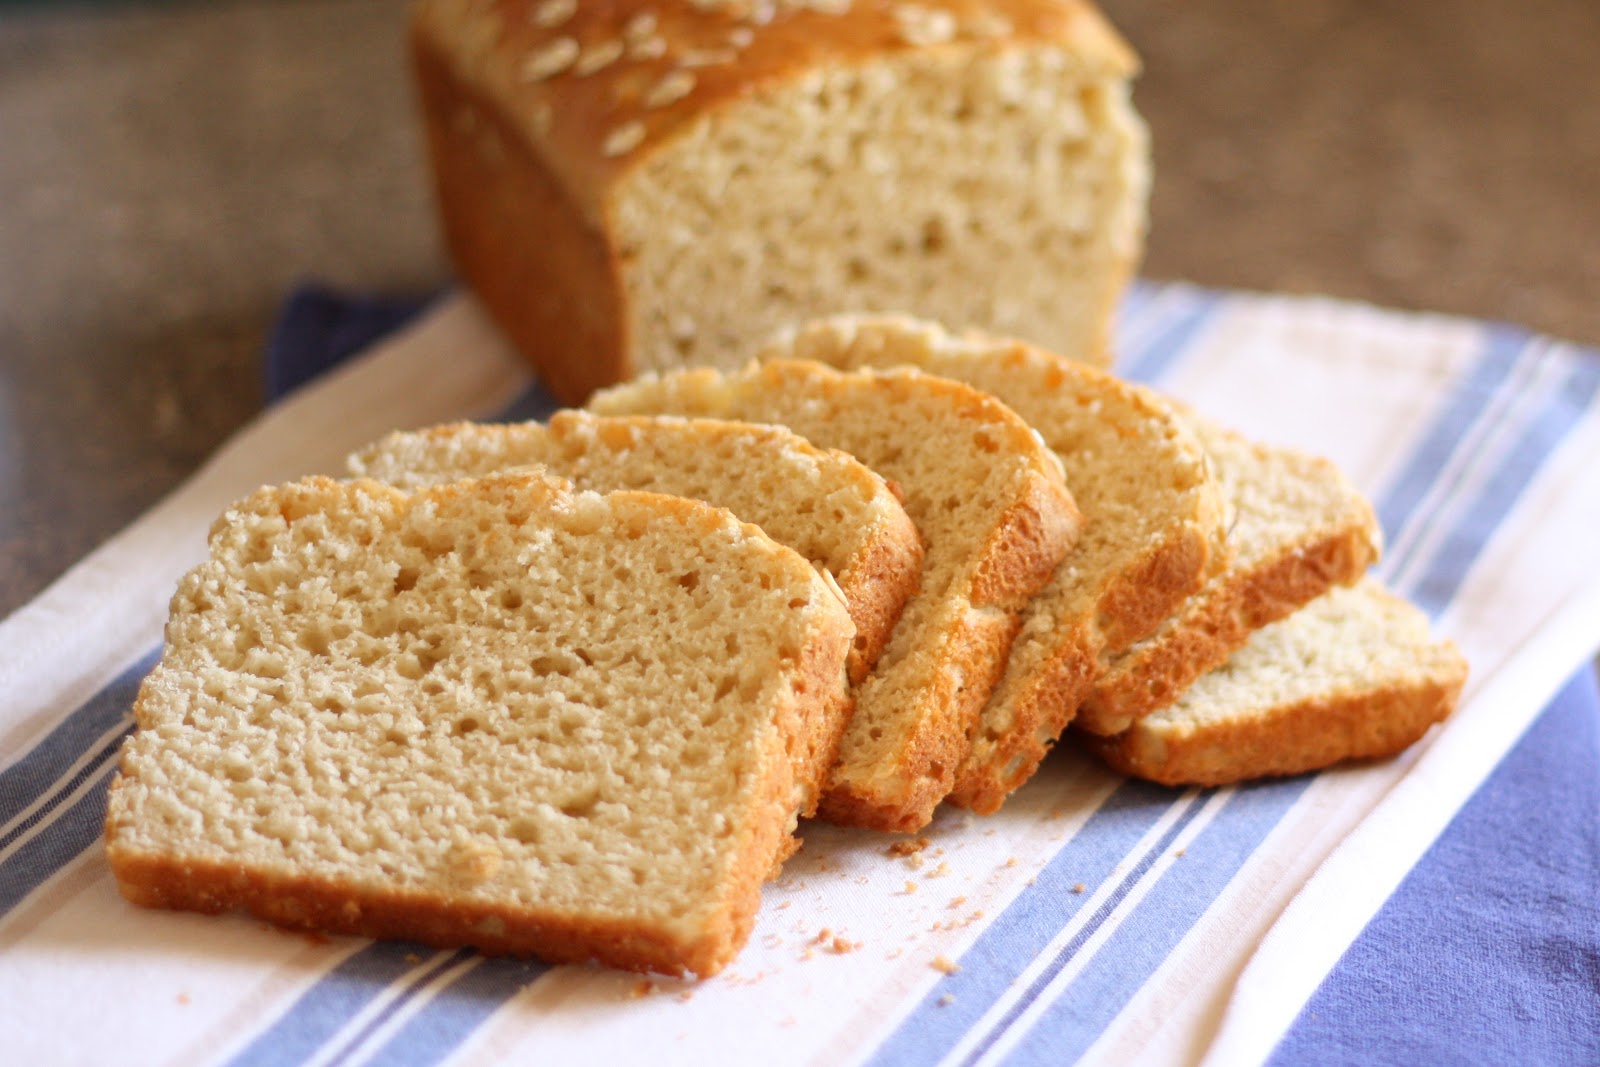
[1490,950]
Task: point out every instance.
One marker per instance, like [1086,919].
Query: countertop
[168,172]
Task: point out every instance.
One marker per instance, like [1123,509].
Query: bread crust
[1234,606]
[877,583]
[1303,736]
[1122,595]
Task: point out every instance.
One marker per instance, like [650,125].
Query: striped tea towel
[1094,919]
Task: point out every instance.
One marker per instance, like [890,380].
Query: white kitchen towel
[1093,919]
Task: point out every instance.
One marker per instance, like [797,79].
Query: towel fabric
[1327,918]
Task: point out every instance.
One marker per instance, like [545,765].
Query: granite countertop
[169,172]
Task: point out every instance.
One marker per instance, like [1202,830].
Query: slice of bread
[823,504]
[641,185]
[995,517]
[493,713]
[1155,522]
[1299,529]
[1353,674]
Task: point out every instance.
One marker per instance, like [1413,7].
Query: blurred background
[169,171]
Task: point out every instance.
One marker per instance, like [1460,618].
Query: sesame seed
[640,27]
[549,60]
[671,88]
[707,57]
[554,12]
[623,139]
[647,48]
[924,26]
[597,57]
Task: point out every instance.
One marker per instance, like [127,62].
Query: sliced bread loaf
[1155,522]
[823,504]
[995,517]
[636,185]
[493,713]
[1353,674]
[1299,529]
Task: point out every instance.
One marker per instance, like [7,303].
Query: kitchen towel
[1094,919]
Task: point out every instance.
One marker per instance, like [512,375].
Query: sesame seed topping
[647,48]
[707,57]
[623,139]
[597,57]
[550,59]
[674,87]
[640,27]
[924,26]
[554,12]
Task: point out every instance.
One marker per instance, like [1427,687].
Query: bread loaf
[643,185]
[1155,522]
[1299,529]
[493,713]
[1353,674]
[994,514]
[825,505]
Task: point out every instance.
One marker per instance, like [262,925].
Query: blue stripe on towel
[1438,584]
[39,772]
[322,1011]
[1026,926]
[1210,861]
[432,1035]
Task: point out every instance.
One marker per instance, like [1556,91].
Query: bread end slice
[1352,675]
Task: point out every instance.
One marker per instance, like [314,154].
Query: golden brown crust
[906,799]
[1032,538]
[877,583]
[1050,698]
[1135,602]
[557,298]
[1292,739]
[1234,607]
[160,881]
[579,120]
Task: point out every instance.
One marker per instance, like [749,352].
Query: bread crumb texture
[495,712]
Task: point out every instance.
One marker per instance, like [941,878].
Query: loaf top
[496,699]
[597,84]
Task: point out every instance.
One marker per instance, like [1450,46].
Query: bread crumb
[1180,852]
[947,1000]
[183,998]
[1032,880]
[909,848]
[914,861]
[956,902]
[782,904]
[412,957]
[840,946]
[911,887]
[1078,888]
[896,954]
[1012,861]
[944,965]
[822,935]
[642,989]
[939,871]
